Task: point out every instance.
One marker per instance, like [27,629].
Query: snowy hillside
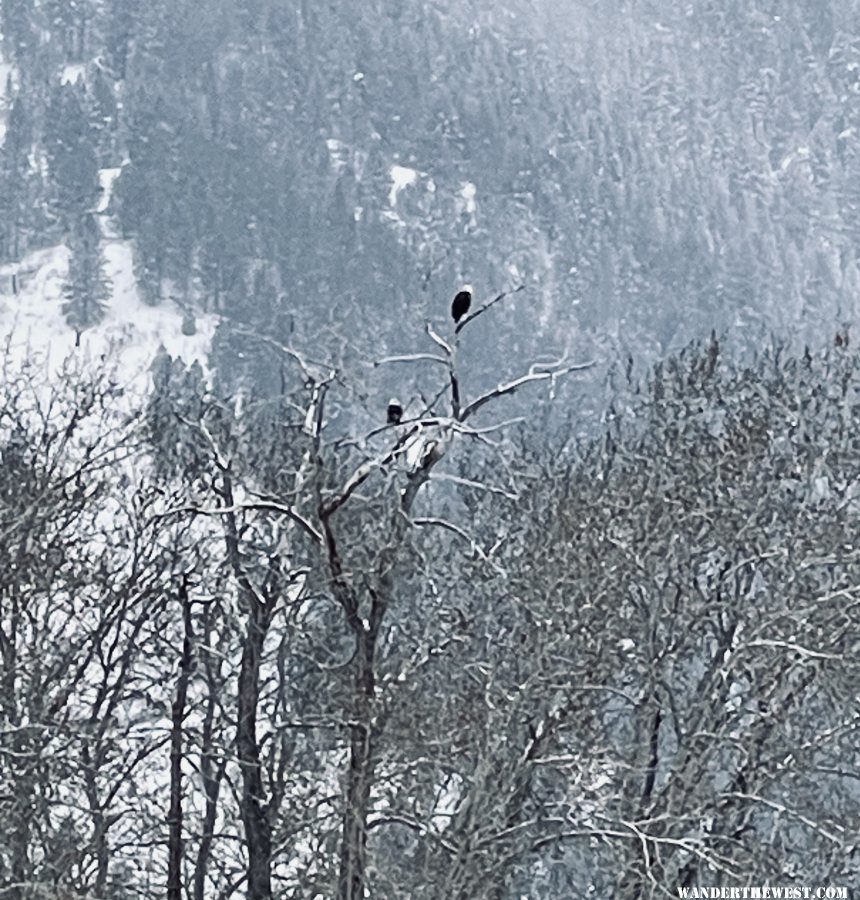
[129,336]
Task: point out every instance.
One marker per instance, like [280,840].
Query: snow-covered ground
[126,340]
[401,177]
[73,73]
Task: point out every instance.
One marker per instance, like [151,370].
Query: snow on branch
[256,506]
[438,339]
[365,470]
[411,357]
[787,810]
[482,309]
[512,386]
[464,535]
[221,461]
[477,485]
[314,413]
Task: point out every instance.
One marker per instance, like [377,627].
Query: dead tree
[317,502]
[421,448]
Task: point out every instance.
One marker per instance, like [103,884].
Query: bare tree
[543,666]
[325,510]
[83,573]
[672,647]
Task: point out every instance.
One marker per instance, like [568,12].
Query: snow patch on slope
[73,73]
[127,339]
[140,329]
[401,177]
[129,336]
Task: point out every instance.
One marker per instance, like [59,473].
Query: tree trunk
[353,845]
[258,829]
[174,815]
[91,765]
[20,761]
[210,773]
[633,884]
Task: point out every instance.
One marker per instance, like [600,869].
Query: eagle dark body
[395,411]
[461,305]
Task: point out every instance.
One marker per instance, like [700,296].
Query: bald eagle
[395,411]
[461,303]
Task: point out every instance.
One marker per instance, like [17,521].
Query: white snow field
[126,340]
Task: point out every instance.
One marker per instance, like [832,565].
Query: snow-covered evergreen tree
[86,292]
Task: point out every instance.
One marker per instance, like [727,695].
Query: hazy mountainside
[648,172]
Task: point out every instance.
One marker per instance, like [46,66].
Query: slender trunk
[19,853]
[255,815]
[353,845]
[633,885]
[212,788]
[102,853]
[653,756]
[20,760]
[91,763]
[258,829]
[210,776]
[174,815]
[362,730]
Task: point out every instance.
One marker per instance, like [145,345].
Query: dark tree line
[247,653]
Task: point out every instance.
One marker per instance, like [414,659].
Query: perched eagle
[395,411]
[461,303]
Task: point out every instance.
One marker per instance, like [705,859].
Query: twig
[467,482]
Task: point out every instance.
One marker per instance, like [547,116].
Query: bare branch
[316,407]
[438,339]
[411,357]
[635,833]
[450,526]
[793,647]
[306,364]
[419,827]
[471,431]
[365,470]
[260,506]
[478,485]
[482,309]
[779,807]
[199,426]
[512,386]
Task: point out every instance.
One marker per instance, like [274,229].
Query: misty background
[648,171]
